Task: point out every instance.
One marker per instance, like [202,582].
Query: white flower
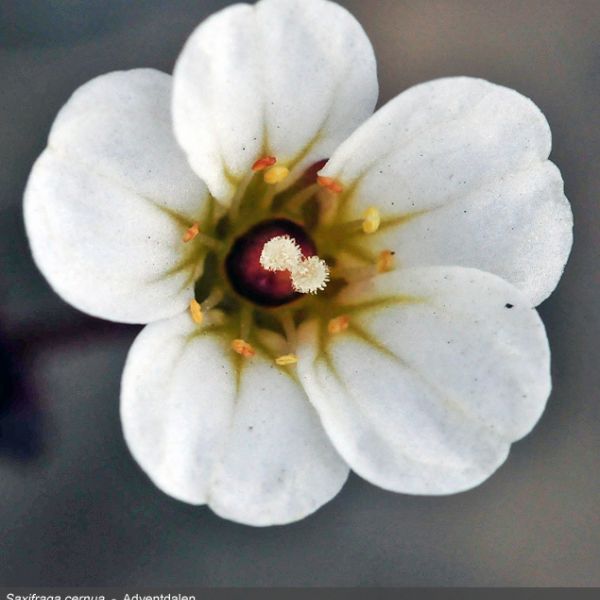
[439,222]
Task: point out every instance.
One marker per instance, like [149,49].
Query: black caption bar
[296,593]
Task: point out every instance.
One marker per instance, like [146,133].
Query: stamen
[263,163]
[196,312]
[372,220]
[276,174]
[330,184]
[286,359]
[243,348]
[280,253]
[385,261]
[338,324]
[191,233]
[353,274]
[294,204]
[310,275]
[213,299]
[289,328]
[245,321]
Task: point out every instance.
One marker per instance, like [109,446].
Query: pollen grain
[191,233]
[196,312]
[338,324]
[263,163]
[286,359]
[276,174]
[371,220]
[330,184]
[243,348]
[385,261]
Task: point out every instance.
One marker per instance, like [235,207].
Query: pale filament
[384,263]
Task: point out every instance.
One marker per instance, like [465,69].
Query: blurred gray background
[76,510]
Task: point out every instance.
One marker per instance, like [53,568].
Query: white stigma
[280,254]
[310,275]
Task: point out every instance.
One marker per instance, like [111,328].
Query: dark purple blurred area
[21,421]
[76,510]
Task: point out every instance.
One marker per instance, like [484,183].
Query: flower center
[250,279]
[271,261]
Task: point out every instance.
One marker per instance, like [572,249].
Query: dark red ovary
[249,278]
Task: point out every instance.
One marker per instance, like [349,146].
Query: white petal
[467,159]
[237,434]
[518,227]
[440,370]
[288,78]
[109,199]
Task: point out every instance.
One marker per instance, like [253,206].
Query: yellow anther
[196,312]
[286,359]
[385,261]
[371,220]
[191,233]
[242,347]
[338,324]
[276,174]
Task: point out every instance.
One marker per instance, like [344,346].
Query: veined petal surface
[288,78]
[108,200]
[439,371]
[458,169]
[211,427]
